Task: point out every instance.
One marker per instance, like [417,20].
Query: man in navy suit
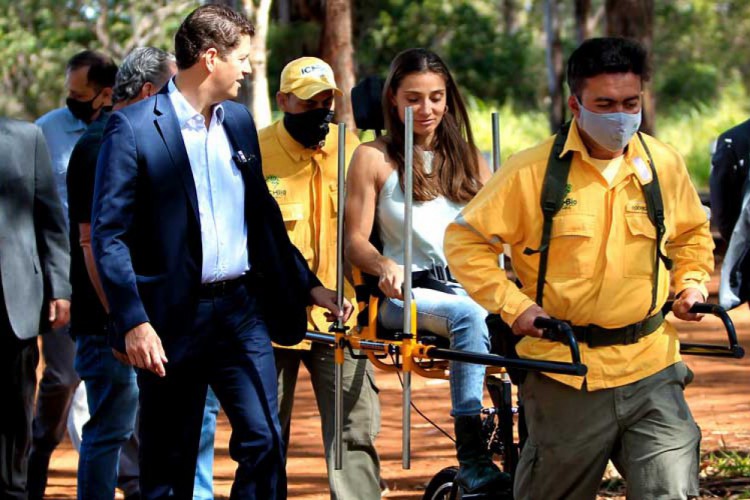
[196,264]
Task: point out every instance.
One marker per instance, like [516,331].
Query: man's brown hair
[209,26]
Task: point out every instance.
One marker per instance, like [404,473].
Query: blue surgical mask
[612,131]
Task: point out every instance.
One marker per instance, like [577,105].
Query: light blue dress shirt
[61,132]
[219,188]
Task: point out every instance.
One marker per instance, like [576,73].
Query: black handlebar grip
[705,308]
[546,323]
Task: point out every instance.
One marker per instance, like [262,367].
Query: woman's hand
[391,279]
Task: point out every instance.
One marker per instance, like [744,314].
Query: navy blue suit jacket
[146,233]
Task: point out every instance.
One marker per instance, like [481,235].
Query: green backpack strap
[553,195]
[655,208]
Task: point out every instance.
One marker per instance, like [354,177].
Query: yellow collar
[636,160]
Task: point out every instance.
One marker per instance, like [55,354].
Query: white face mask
[612,131]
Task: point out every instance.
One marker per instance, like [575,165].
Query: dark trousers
[18,360]
[56,388]
[230,350]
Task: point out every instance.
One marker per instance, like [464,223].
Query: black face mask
[309,128]
[83,110]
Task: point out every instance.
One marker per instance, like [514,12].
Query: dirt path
[719,398]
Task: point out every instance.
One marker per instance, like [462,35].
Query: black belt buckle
[438,272]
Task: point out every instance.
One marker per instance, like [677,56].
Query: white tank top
[429,221]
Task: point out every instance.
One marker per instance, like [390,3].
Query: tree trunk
[554,64]
[255,94]
[582,9]
[284,11]
[338,51]
[635,19]
[254,91]
[510,16]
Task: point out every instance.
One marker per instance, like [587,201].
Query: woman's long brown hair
[455,161]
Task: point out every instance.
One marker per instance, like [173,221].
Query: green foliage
[691,83]
[698,47]
[693,129]
[37,37]
[518,130]
[487,62]
[726,464]
[701,32]
[287,42]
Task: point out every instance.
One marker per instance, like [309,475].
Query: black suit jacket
[146,230]
[729,175]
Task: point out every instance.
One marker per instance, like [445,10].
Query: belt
[596,336]
[441,273]
[220,288]
[436,278]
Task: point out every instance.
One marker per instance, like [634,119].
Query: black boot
[476,470]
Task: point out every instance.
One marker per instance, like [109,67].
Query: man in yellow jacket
[605,276]
[300,162]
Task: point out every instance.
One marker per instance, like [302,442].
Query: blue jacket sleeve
[112,217]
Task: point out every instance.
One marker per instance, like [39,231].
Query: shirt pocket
[333,194]
[299,231]
[291,213]
[640,246]
[571,252]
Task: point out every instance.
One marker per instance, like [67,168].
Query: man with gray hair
[111,386]
[144,72]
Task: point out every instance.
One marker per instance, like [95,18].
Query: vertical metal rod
[340,221]
[408,192]
[338,416]
[495,141]
[496,162]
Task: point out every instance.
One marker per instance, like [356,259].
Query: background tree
[37,37]
[582,10]
[555,73]
[336,49]
[258,11]
[635,19]
[254,92]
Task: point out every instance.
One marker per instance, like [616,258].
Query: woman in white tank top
[448,172]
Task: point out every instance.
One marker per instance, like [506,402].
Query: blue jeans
[204,472]
[462,320]
[112,395]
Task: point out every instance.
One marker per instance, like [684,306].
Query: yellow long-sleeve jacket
[304,183]
[601,256]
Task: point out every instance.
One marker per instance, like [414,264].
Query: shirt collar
[187,116]
[297,151]
[636,160]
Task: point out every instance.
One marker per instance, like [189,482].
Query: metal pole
[495,141]
[338,416]
[408,192]
[496,162]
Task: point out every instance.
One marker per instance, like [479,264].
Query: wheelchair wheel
[441,485]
